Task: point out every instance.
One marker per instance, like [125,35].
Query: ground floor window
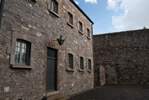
[70,60]
[81,63]
[22,52]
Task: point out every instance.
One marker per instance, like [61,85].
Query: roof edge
[81,11]
[121,32]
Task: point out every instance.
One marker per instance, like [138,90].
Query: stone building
[32,63]
[122,57]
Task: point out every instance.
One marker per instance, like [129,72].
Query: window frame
[1,10]
[70,22]
[89,67]
[81,64]
[88,33]
[80,27]
[27,49]
[68,62]
[52,7]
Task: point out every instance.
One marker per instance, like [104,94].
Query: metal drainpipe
[1,11]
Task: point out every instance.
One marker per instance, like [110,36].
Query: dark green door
[51,80]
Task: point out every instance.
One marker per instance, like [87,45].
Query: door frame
[48,93]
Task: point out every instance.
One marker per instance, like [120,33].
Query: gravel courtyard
[115,92]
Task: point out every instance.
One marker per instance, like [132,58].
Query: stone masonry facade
[122,57]
[33,21]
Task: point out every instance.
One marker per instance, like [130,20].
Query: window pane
[23,45]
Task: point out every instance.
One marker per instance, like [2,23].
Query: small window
[81,63]
[80,27]
[88,32]
[22,52]
[54,6]
[89,64]
[70,18]
[70,61]
[1,10]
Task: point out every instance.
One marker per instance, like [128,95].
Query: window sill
[54,13]
[88,38]
[89,70]
[80,32]
[70,25]
[81,70]
[70,70]
[35,0]
[52,93]
[17,66]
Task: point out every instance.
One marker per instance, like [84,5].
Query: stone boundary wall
[124,55]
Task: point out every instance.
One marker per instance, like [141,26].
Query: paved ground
[115,92]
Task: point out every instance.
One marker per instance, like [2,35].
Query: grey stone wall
[33,21]
[125,56]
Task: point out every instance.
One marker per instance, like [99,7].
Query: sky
[116,15]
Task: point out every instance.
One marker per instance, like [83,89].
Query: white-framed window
[22,52]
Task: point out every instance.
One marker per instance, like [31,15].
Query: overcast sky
[116,15]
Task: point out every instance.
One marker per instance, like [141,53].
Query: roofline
[81,11]
[121,32]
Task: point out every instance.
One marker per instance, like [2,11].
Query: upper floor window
[81,63]
[89,64]
[22,52]
[80,27]
[70,18]
[70,61]
[88,32]
[54,6]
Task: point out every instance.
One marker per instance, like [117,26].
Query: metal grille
[70,59]
[22,52]
[81,63]
[54,6]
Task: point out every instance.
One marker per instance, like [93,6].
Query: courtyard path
[115,92]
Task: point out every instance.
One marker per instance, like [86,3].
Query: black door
[51,84]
